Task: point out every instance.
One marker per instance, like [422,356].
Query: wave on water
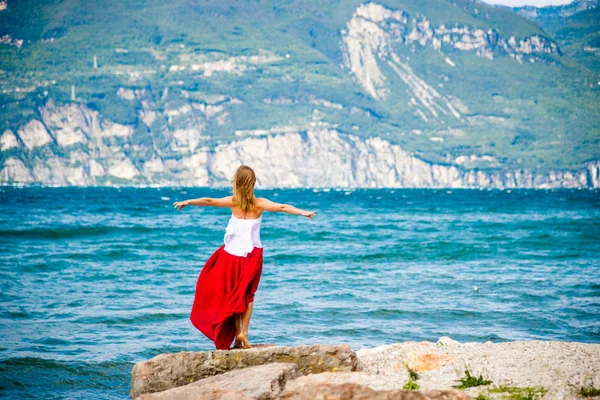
[71,232]
[35,378]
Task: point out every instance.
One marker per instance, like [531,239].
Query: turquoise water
[93,280]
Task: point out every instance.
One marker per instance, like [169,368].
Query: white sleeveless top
[242,235]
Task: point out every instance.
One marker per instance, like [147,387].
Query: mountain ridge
[575,26]
[449,84]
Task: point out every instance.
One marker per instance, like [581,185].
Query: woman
[227,283]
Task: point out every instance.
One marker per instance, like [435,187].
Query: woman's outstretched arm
[269,205]
[205,201]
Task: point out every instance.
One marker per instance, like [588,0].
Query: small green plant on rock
[481,396]
[588,391]
[411,385]
[520,393]
[471,381]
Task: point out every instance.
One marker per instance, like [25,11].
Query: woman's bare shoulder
[262,201]
[259,202]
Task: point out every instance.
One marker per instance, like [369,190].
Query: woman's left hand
[180,204]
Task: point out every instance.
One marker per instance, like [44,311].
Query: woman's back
[253,213]
[242,235]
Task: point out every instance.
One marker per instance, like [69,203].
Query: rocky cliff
[73,145]
[370,36]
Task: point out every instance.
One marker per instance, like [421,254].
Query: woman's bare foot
[237,344]
[243,338]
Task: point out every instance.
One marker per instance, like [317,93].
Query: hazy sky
[538,3]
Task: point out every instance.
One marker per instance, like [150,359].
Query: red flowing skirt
[226,285]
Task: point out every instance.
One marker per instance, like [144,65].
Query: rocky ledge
[412,370]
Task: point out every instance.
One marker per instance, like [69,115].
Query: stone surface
[167,371]
[261,382]
[211,394]
[375,382]
[559,367]
[351,391]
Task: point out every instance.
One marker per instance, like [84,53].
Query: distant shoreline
[315,188]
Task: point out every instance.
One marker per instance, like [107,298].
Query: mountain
[575,27]
[394,93]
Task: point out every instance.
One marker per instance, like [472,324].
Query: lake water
[93,280]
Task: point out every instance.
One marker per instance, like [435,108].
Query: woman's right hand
[309,214]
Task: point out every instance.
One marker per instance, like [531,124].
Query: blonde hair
[243,188]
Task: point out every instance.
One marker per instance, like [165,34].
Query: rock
[559,367]
[350,391]
[261,382]
[214,394]
[167,371]
[15,171]
[8,140]
[34,134]
[446,341]
[375,382]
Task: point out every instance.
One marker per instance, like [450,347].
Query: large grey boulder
[351,391]
[262,382]
[167,371]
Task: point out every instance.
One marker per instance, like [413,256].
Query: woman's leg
[243,335]
[246,318]
[238,329]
